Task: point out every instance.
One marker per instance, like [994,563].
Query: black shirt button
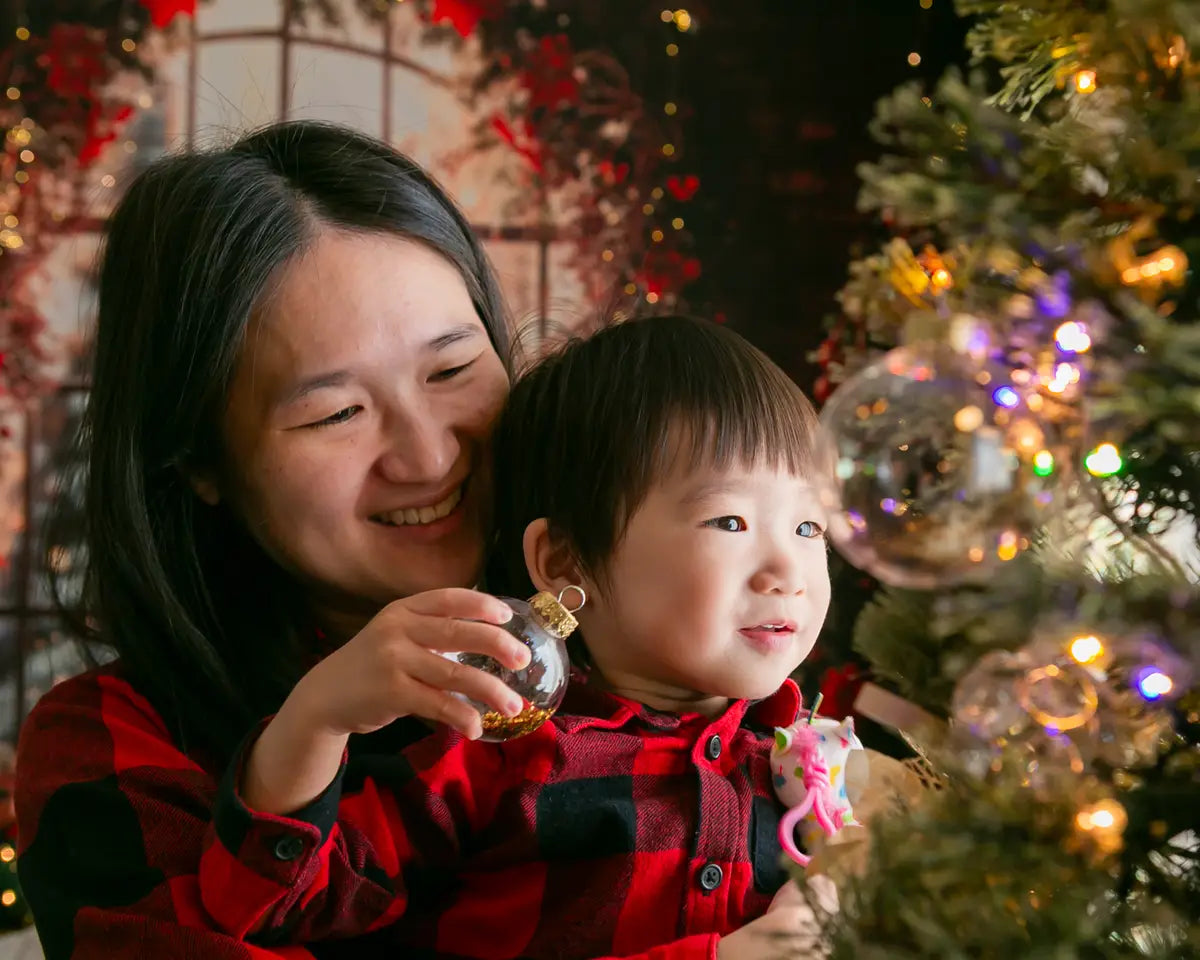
[713,747]
[711,876]
[288,848]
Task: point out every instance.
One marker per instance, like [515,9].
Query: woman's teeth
[419,515]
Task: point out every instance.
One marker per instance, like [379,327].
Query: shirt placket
[719,822]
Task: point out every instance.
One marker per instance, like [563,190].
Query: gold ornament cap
[556,617]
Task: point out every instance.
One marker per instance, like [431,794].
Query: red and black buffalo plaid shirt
[612,831]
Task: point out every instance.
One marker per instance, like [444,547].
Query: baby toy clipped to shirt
[808,765]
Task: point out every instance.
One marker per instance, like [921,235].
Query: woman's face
[356,434]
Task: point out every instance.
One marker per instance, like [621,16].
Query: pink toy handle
[787,829]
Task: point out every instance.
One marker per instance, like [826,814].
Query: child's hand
[789,927]
[392,668]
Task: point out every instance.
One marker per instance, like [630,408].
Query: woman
[299,356]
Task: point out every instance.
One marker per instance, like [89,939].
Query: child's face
[717,589]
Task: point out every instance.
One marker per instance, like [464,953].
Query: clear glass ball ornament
[543,625]
[987,698]
[943,469]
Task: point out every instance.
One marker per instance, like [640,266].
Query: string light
[648,209]
[1065,374]
[27,156]
[1099,816]
[631,288]
[914,59]
[657,236]
[657,193]
[683,20]
[1085,650]
[652,297]
[1026,436]
[1072,337]
[672,49]
[670,109]
[13,93]
[968,419]
[1006,397]
[22,33]
[1085,81]
[607,256]
[1103,461]
[7,853]
[926,4]
[667,16]
[677,223]
[668,149]
[1153,684]
[1008,547]
[128,45]
[8,898]
[1104,822]
[1043,463]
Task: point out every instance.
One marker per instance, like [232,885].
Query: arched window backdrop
[243,63]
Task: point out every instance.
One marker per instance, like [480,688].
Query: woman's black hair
[210,629]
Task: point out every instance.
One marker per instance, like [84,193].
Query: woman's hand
[392,668]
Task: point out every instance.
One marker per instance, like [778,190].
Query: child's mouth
[769,635]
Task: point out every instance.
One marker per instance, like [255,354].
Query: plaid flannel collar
[587,707]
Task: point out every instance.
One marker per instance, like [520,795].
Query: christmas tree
[1016,415]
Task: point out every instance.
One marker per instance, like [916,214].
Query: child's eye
[728,524]
[809,529]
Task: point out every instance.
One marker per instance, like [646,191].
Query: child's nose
[782,573]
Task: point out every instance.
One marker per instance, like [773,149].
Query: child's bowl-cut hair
[589,430]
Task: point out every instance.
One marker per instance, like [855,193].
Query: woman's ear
[550,564]
[204,485]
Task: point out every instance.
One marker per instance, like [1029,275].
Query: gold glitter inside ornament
[543,625]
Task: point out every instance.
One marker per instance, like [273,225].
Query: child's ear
[550,564]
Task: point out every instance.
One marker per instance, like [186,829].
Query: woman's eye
[729,524]
[340,417]
[810,528]
[449,373]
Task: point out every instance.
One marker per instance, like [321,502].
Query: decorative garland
[572,115]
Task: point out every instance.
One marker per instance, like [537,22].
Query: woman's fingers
[444,708]
[466,636]
[442,673]
[449,620]
[457,602]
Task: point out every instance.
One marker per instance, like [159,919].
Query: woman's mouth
[424,514]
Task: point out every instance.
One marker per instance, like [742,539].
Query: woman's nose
[419,447]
